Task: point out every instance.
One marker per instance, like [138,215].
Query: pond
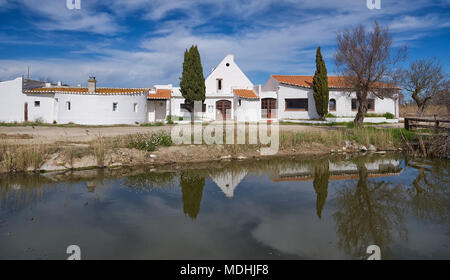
[274,208]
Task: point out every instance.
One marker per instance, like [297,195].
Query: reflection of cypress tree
[320,183]
[192,188]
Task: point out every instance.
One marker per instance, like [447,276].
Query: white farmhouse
[292,97]
[230,95]
[28,100]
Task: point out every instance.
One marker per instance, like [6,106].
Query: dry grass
[431,110]
[17,158]
[99,147]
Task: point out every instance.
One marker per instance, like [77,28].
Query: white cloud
[275,42]
[54,15]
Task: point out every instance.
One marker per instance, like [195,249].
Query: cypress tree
[320,86]
[192,81]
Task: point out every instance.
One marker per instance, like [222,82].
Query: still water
[285,208]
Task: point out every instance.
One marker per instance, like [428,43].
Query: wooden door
[25,112]
[268,108]
[223,110]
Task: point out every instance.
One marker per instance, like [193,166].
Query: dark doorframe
[269,105]
[25,111]
[223,109]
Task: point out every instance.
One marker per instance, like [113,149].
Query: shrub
[149,142]
[330,115]
[159,124]
[389,116]
[169,119]
[180,118]
[146,124]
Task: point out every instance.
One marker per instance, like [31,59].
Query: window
[332,105]
[228,64]
[239,101]
[186,107]
[135,107]
[37,103]
[68,106]
[219,84]
[297,104]
[370,105]
[115,107]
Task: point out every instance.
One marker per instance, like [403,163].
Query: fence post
[436,124]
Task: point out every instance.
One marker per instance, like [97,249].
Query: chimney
[59,83]
[92,85]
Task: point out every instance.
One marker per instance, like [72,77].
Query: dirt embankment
[54,148]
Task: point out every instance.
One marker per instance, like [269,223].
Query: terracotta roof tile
[85,90]
[160,94]
[307,81]
[245,93]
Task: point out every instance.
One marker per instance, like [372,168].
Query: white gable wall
[232,77]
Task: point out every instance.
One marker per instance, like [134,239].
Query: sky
[140,43]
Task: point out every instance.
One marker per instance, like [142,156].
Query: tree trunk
[192,112]
[421,109]
[362,110]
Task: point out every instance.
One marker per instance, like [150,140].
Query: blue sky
[139,43]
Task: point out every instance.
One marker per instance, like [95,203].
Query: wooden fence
[436,123]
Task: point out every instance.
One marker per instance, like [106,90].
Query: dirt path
[50,135]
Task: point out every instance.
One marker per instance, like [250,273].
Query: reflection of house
[341,171]
[228,180]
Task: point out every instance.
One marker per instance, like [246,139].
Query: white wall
[249,111]
[97,109]
[344,109]
[285,92]
[13,101]
[45,111]
[343,103]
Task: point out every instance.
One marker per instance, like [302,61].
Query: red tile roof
[245,93]
[160,94]
[85,90]
[307,81]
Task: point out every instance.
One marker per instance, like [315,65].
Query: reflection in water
[370,200]
[192,184]
[320,183]
[368,212]
[430,199]
[228,179]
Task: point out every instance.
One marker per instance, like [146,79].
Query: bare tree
[425,80]
[366,65]
[443,97]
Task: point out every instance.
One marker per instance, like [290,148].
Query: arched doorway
[223,110]
[268,108]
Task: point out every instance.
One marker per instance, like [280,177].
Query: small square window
[115,105]
[37,103]
[135,107]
